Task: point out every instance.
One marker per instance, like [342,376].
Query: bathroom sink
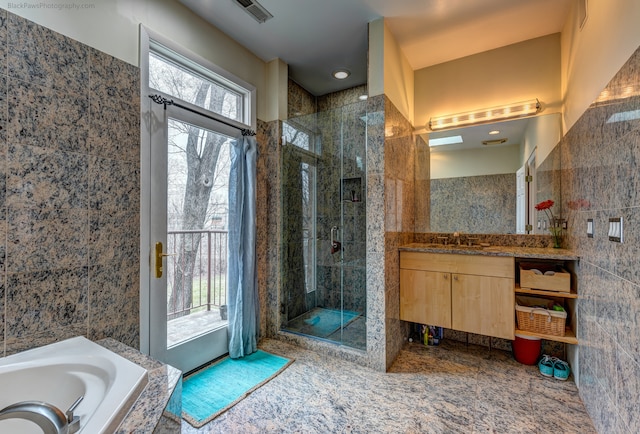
[493,248]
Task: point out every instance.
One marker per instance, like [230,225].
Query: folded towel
[313,320]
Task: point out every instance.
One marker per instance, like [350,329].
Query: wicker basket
[533,318]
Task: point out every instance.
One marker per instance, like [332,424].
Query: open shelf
[572,294]
[568,338]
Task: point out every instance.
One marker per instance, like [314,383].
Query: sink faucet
[49,418]
[456,236]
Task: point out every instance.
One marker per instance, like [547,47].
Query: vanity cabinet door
[483,305]
[425,297]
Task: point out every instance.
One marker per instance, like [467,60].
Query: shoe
[546,365]
[561,370]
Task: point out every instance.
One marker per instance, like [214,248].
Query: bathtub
[61,372]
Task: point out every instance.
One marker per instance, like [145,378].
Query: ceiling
[316,37]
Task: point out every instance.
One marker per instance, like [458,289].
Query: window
[181,78]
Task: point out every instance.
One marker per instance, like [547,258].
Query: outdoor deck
[190,326]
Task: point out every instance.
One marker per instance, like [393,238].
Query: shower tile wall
[481,204]
[69,190]
[601,179]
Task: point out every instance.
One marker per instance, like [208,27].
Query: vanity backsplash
[513,240]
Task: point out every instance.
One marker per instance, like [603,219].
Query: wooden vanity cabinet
[483,305]
[471,293]
[425,297]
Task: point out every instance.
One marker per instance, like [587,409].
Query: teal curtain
[242,289]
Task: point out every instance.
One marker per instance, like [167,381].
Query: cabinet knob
[455,277]
[446,276]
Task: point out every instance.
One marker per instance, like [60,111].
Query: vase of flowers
[555,225]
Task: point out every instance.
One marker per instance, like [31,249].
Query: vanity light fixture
[341,74]
[483,116]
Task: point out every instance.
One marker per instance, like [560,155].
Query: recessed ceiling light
[341,74]
[445,141]
[494,132]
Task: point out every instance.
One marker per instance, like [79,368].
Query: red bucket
[526,349]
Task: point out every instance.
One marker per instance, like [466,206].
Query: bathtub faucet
[49,418]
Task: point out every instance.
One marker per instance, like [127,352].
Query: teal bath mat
[211,391]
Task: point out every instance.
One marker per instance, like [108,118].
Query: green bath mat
[213,390]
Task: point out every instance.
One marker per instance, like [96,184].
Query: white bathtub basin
[61,372]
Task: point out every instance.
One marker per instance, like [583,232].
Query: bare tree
[201,152]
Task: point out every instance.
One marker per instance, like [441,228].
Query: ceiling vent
[255,9]
[494,142]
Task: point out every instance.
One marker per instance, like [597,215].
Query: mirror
[474,183]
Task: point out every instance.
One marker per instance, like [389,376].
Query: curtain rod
[159,99]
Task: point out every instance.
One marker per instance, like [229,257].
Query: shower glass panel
[324,225]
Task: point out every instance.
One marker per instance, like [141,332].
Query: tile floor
[453,388]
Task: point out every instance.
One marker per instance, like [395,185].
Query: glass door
[189,193]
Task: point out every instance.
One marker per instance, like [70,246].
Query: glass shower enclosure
[324,225]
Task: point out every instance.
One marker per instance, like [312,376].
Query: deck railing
[199,265]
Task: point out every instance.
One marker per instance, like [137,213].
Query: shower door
[324,226]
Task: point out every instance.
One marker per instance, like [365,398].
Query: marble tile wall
[376,272]
[548,185]
[268,225]
[399,214]
[423,186]
[299,101]
[479,204]
[600,160]
[69,190]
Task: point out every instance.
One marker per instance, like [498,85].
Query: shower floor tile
[452,388]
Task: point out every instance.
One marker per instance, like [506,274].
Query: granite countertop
[148,409]
[512,251]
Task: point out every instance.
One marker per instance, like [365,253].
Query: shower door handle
[336,246]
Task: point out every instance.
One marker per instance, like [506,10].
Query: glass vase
[556,233]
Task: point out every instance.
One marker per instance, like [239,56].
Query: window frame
[183,58]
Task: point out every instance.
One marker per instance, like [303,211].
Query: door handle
[159,256]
